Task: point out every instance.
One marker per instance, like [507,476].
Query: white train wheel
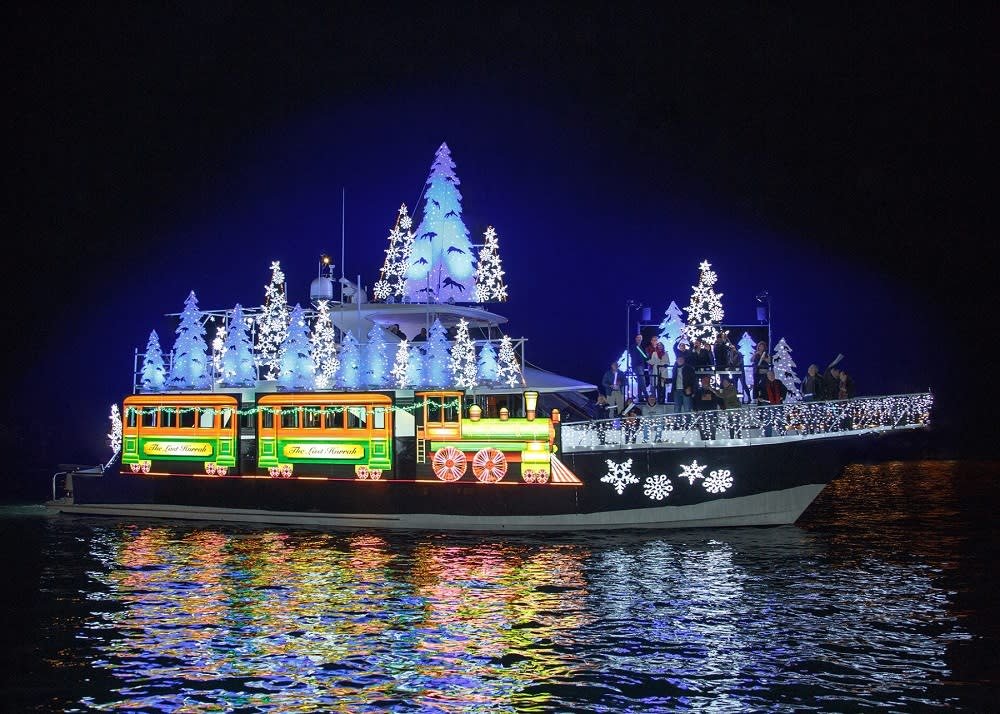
[449,464]
[489,465]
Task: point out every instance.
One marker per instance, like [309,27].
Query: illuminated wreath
[489,465]
[449,464]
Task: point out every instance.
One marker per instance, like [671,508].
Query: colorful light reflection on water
[836,615]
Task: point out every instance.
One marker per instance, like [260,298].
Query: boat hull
[768,484]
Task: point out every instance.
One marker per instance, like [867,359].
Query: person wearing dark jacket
[640,365]
[682,384]
[720,351]
[812,385]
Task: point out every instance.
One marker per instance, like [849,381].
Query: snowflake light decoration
[115,437]
[719,481]
[657,487]
[692,472]
[620,475]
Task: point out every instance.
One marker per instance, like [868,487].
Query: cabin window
[450,410]
[266,418]
[378,418]
[356,417]
[149,417]
[227,418]
[130,416]
[247,420]
[333,418]
[206,417]
[168,418]
[187,415]
[310,417]
[289,418]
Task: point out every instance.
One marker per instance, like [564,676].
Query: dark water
[882,598]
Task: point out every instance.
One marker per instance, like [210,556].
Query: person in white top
[659,363]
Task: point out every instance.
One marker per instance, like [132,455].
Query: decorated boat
[288,417]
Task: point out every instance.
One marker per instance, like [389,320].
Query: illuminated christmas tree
[401,365]
[705,309]
[237,363]
[784,369]
[298,371]
[489,271]
[349,376]
[392,283]
[510,370]
[272,325]
[415,367]
[438,356]
[487,363]
[441,264]
[153,372]
[672,326]
[190,368]
[463,358]
[324,347]
[376,359]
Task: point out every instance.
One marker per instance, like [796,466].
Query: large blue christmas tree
[190,368]
[441,263]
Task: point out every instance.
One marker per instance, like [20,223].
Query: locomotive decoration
[366,436]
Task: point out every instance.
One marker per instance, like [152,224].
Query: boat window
[356,417]
[130,416]
[334,417]
[149,416]
[227,418]
[310,417]
[266,418]
[289,417]
[378,418]
[187,417]
[206,417]
[168,417]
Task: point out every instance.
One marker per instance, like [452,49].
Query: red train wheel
[449,464]
[489,465]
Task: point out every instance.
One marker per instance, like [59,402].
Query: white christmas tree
[705,307]
[153,372]
[272,325]
[349,376]
[190,368]
[415,367]
[437,357]
[490,286]
[672,326]
[463,358]
[218,350]
[441,264]
[784,369]
[401,365]
[487,363]
[237,364]
[298,371]
[376,372]
[510,370]
[324,347]
[392,283]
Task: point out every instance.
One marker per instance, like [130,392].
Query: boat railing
[752,424]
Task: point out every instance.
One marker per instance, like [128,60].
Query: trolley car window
[206,417]
[227,418]
[378,418]
[333,418]
[266,418]
[149,416]
[187,418]
[356,417]
[289,417]
[310,417]
[130,417]
[168,417]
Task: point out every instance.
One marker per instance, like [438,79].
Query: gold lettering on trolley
[323,451]
[176,448]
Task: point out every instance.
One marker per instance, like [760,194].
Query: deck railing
[752,424]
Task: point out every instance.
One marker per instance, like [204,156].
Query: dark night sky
[832,157]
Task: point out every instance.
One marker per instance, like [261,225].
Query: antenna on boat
[343,199]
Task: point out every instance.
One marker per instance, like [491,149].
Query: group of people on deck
[687,380]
